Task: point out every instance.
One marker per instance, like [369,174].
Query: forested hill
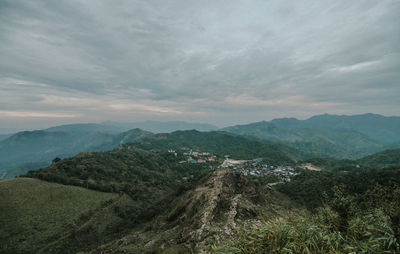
[384,129]
[353,212]
[219,143]
[387,158]
[180,203]
[382,159]
[165,203]
[24,149]
[346,137]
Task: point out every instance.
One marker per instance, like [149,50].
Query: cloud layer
[218,61]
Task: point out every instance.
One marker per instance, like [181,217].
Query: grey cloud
[202,56]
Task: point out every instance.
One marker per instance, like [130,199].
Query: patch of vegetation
[139,198]
[21,151]
[355,212]
[384,159]
[315,140]
[35,214]
[387,158]
[220,143]
[368,233]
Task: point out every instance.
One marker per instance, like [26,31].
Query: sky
[221,62]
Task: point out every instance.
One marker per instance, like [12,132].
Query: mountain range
[26,150]
[162,127]
[146,196]
[29,150]
[341,137]
[348,137]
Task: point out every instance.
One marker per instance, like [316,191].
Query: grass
[369,233]
[34,213]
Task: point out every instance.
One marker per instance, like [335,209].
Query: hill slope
[381,128]
[382,159]
[41,147]
[320,142]
[34,215]
[4,136]
[387,158]
[219,143]
[353,212]
[213,210]
[174,207]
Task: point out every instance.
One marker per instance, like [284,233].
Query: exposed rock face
[214,207]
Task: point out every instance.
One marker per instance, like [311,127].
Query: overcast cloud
[221,62]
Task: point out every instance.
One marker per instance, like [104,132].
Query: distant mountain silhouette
[163,127]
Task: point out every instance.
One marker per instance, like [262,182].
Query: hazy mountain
[43,146]
[4,136]
[381,128]
[86,127]
[163,127]
[329,135]
[318,142]
[21,169]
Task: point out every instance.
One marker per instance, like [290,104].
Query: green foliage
[56,159]
[317,142]
[356,212]
[42,146]
[36,214]
[370,233]
[387,158]
[219,143]
[350,212]
[308,187]
[151,179]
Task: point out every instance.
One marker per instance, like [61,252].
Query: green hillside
[353,212]
[385,129]
[213,210]
[34,215]
[314,141]
[24,149]
[219,143]
[151,179]
[144,198]
[387,158]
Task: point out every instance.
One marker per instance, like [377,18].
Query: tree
[56,159]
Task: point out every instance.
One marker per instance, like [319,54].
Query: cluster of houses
[256,167]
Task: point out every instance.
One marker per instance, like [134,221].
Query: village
[254,167]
